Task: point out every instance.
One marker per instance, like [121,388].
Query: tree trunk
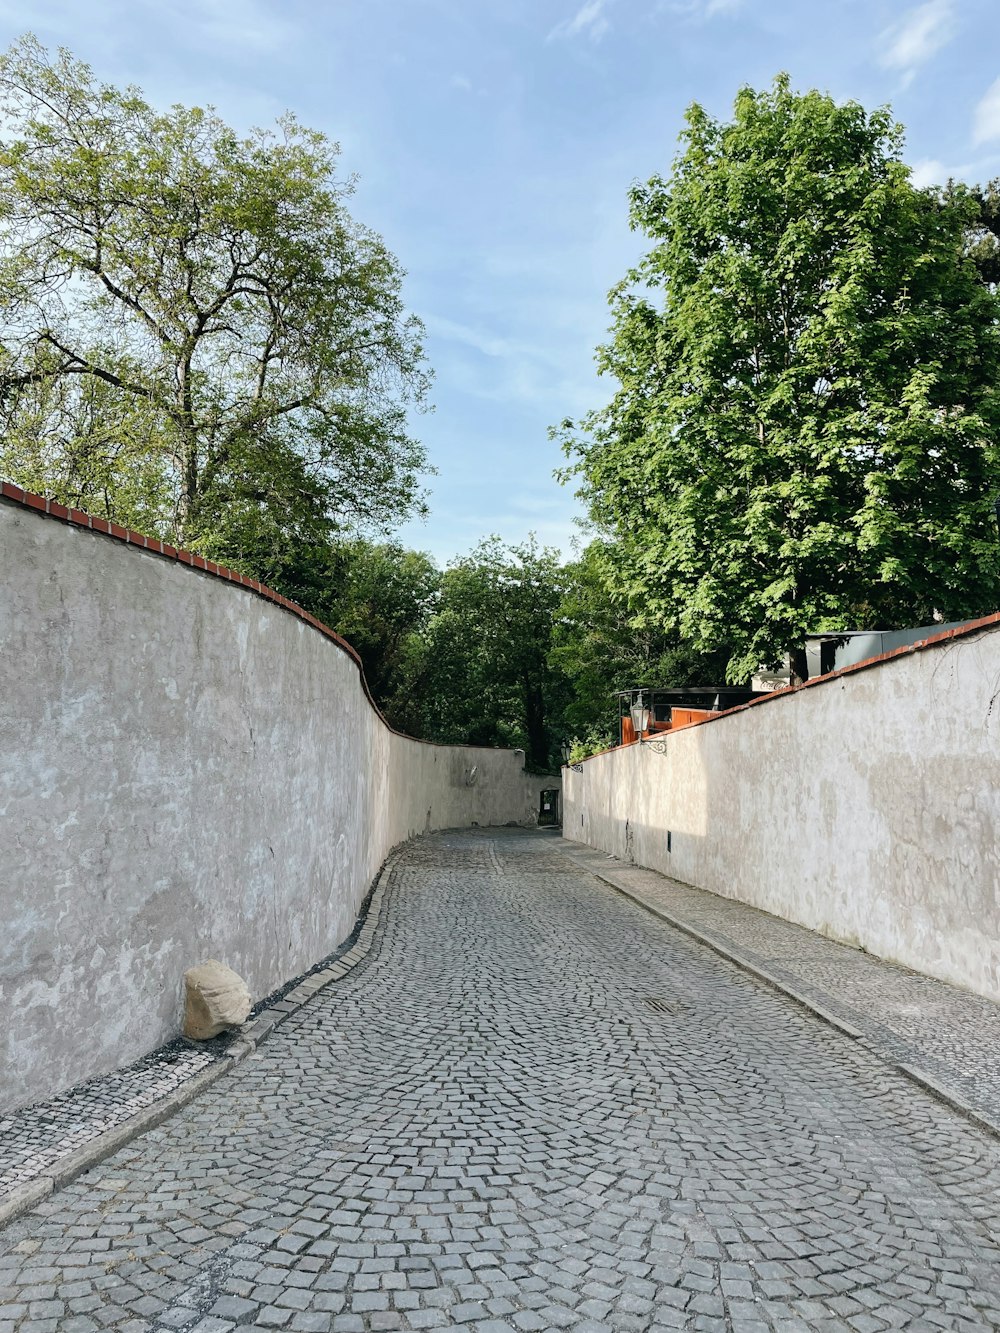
[799,664]
[534,717]
[188,495]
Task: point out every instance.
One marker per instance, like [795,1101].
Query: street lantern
[640,718]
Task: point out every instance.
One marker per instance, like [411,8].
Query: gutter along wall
[864,805]
[188,769]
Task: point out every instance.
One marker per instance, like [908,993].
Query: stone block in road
[215,998]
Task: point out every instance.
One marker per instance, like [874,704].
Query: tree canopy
[598,649]
[804,433]
[466,654]
[198,339]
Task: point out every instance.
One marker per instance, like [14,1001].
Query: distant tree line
[508,645]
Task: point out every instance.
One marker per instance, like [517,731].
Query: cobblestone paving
[487,1126]
[948,1033]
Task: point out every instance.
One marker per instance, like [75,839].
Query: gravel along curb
[103,1145]
[929,1084]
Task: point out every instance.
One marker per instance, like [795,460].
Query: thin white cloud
[986,118]
[525,503]
[917,36]
[699,9]
[484,343]
[929,171]
[932,171]
[247,23]
[462,83]
[589,20]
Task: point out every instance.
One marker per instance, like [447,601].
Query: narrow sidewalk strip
[945,1039]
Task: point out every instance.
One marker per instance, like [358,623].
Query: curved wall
[187,770]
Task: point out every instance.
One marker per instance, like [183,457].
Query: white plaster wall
[866,807]
[186,771]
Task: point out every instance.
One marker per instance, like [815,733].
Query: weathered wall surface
[187,770]
[866,806]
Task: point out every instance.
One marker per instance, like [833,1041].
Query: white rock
[215,998]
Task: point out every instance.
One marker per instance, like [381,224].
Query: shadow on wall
[639,804]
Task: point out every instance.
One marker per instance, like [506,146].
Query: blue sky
[495,141]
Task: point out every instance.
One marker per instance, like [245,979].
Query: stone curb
[950,1098]
[947,1096]
[20,1201]
[103,1145]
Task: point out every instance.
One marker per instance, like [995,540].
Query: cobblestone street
[535,1106]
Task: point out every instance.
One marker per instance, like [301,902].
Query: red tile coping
[78,518]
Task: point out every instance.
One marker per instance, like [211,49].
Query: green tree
[194,328]
[378,595]
[89,446]
[599,650]
[804,433]
[482,675]
[984,243]
[380,598]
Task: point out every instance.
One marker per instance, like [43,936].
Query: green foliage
[90,447]
[482,674]
[379,596]
[599,649]
[197,336]
[595,741]
[984,240]
[460,657]
[520,650]
[380,599]
[803,437]
[506,647]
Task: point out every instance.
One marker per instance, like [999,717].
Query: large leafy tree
[195,333]
[804,433]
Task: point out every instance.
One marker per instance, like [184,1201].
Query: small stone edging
[926,1082]
[250,1037]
